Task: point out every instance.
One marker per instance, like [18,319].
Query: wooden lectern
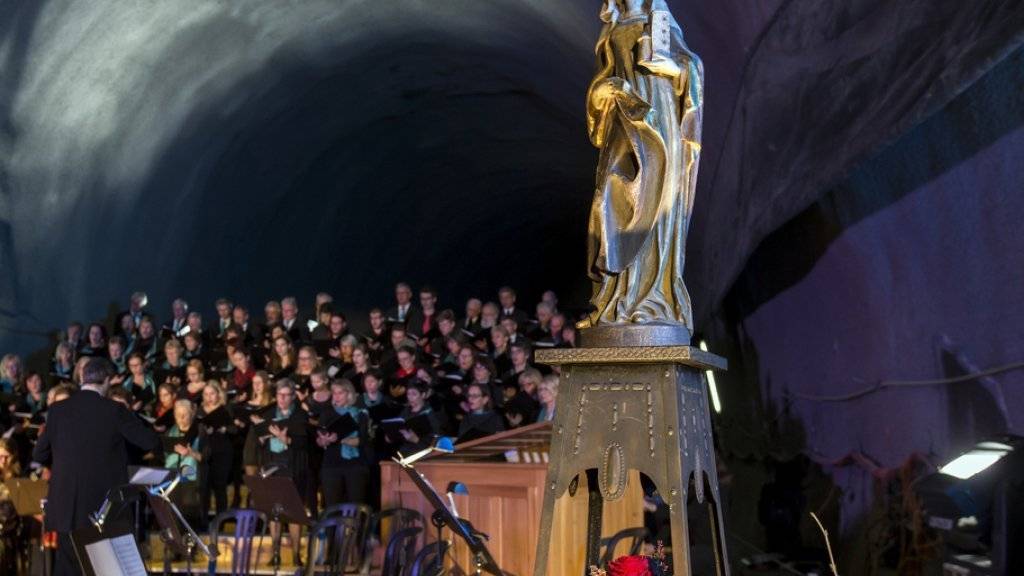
[505,498]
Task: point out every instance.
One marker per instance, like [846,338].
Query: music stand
[170,520]
[443,516]
[277,497]
[112,551]
[29,498]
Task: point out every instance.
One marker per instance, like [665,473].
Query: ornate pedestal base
[639,408]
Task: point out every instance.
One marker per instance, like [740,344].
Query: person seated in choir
[219,454]
[195,375]
[521,406]
[63,364]
[250,331]
[484,374]
[322,330]
[223,306]
[446,327]
[10,463]
[421,322]
[471,323]
[96,341]
[542,330]
[196,327]
[242,373]
[195,348]
[250,413]
[146,343]
[10,374]
[166,396]
[417,396]
[59,392]
[344,472]
[514,329]
[360,366]
[519,355]
[554,337]
[139,382]
[340,360]
[293,324]
[480,418]
[116,355]
[547,395]
[407,371]
[398,337]
[33,400]
[507,299]
[569,335]
[282,358]
[74,335]
[318,399]
[372,394]
[490,316]
[449,365]
[551,299]
[126,330]
[172,369]
[306,362]
[337,328]
[283,446]
[399,313]
[377,337]
[500,352]
[179,319]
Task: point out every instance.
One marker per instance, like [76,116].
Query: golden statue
[644,113]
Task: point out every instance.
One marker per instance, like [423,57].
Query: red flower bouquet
[630,566]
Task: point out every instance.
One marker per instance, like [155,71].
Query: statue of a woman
[644,113]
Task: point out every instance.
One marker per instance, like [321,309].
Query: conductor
[84,445]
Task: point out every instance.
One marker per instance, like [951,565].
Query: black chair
[610,544]
[248,523]
[429,559]
[400,518]
[331,544]
[399,554]
[362,515]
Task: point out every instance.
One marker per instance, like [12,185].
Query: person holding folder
[343,433]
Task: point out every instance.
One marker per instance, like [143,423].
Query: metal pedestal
[643,408]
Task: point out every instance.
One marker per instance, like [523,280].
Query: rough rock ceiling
[225,135]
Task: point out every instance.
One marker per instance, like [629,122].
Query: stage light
[712,386]
[979,458]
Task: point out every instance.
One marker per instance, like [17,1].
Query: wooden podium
[505,499]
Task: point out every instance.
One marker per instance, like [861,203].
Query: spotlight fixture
[979,458]
[712,386]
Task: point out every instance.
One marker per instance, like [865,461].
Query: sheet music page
[128,555]
[148,476]
[116,556]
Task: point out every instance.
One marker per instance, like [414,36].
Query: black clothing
[483,424]
[520,316]
[84,442]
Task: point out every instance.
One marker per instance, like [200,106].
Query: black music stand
[443,516]
[111,551]
[170,520]
[277,497]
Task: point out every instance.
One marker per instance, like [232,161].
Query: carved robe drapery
[644,113]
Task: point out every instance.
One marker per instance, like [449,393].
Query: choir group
[300,396]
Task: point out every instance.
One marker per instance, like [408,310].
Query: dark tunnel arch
[337,169]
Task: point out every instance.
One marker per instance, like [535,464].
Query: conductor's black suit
[84,445]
